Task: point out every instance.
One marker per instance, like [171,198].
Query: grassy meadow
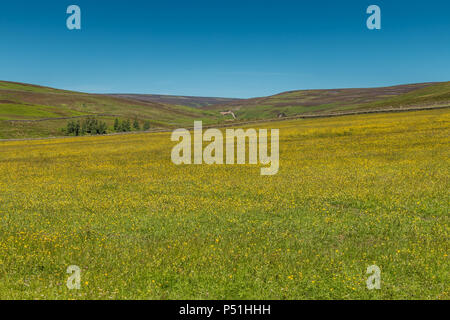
[351,192]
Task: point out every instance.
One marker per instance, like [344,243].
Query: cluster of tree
[94,126]
[126,125]
[87,126]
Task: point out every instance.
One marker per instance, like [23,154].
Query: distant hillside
[195,102]
[34,111]
[314,101]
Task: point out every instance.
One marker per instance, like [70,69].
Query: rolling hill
[35,111]
[29,111]
[293,103]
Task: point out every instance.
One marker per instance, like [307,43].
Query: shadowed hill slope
[189,101]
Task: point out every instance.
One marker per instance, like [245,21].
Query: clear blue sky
[223,48]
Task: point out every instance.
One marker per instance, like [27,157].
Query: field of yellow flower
[351,192]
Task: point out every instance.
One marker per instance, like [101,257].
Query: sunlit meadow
[351,192]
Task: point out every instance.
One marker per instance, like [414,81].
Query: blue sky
[223,48]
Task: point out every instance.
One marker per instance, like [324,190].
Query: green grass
[33,112]
[5,85]
[9,111]
[436,94]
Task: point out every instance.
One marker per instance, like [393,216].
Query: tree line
[125,125]
[93,126]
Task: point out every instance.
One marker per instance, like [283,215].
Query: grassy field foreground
[351,192]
